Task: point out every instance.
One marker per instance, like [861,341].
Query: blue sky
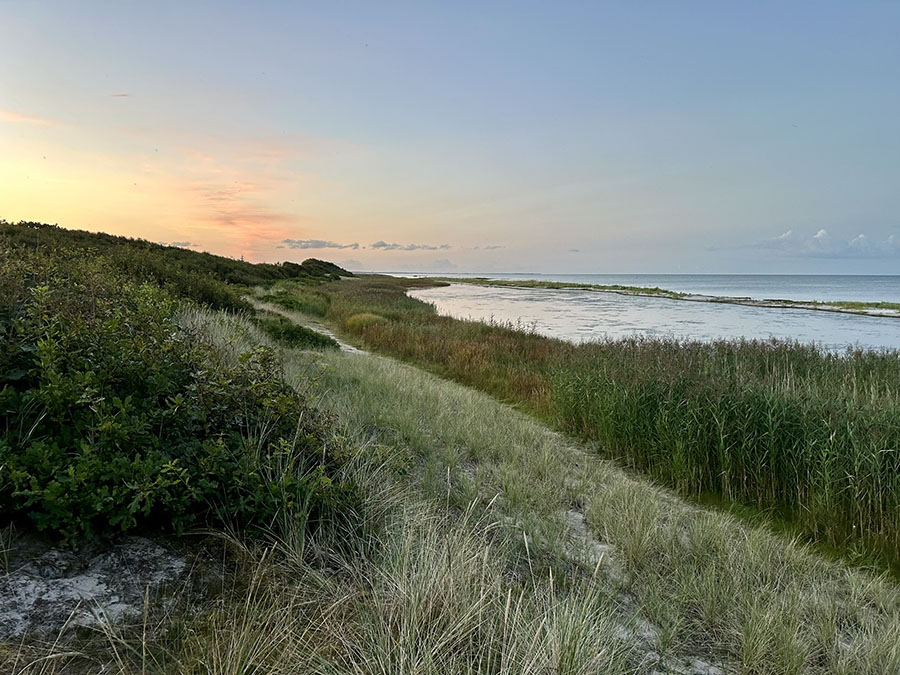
[553,137]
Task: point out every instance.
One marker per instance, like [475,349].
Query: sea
[580,315]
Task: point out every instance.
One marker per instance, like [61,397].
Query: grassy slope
[212,280]
[220,268]
[708,584]
[479,563]
[779,427]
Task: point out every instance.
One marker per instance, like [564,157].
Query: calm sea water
[825,287]
[580,316]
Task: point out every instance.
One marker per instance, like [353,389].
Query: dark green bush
[291,334]
[113,416]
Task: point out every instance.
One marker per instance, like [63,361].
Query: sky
[555,137]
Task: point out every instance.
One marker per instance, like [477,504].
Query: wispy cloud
[19,118]
[120,95]
[440,265]
[384,246]
[823,245]
[240,221]
[316,243]
[236,204]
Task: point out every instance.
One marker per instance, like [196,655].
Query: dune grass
[436,582]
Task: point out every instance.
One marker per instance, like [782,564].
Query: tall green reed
[812,435]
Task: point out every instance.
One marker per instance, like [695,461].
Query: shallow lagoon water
[823,287]
[580,316]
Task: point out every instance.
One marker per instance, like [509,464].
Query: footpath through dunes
[601,572]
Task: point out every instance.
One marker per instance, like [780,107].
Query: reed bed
[812,435]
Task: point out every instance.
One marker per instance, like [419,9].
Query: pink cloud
[237,194]
[241,215]
[19,118]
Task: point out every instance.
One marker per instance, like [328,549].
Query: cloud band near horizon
[823,245]
[307,244]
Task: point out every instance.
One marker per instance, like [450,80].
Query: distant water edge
[803,287]
[579,315]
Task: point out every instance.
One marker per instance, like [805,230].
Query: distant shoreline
[876,309]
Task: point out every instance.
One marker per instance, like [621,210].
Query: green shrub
[114,416]
[203,277]
[359,322]
[291,334]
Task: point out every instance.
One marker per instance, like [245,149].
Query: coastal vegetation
[564,285]
[298,297]
[807,436]
[117,417]
[209,279]
[291,334]
[851,304]
[691,580]
[350,513]
[490,544]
